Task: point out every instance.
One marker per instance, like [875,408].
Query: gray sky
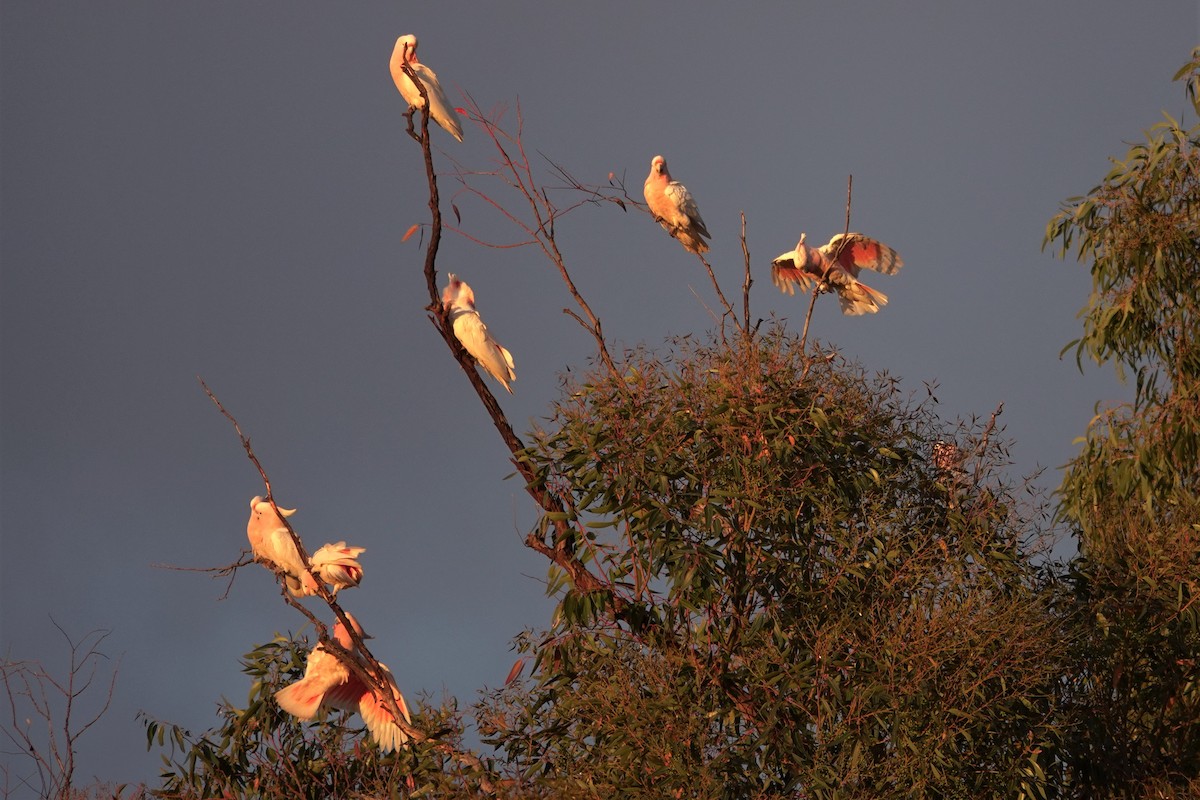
[220,189]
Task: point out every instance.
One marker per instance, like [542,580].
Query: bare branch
[729,312]
[748,281]
[28,684]
[216,572]
[516,172]
[849,192]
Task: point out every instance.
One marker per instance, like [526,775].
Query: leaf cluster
[258,750]
[1133,492]
[811,604]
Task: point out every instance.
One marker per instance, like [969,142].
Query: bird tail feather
[858,298]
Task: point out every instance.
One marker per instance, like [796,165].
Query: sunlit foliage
[1133,492]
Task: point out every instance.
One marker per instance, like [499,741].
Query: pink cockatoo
[329,683]
[337,565]
[674,207]
[459,301]
[835,267]
[271,543]
[440,109]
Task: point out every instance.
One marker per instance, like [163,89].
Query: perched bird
[329,683]
[674,207]
[337,565]
[440,109]
[271,543]
[835,267]
[459,301]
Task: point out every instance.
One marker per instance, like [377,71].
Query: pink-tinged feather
[673,207]
[440,110]
[273,544]
[337,565]
[459,301]
[328,683]
[836,266]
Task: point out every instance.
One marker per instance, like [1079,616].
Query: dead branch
[216,572]
[29,685]
[729,312]
[516,172]
[748,281]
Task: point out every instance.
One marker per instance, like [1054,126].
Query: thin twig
[748,281]
[216,572]
[54,760]
[517,173]
[981,448]
[729,312]
[821,285]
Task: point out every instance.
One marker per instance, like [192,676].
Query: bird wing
[688,213]
[355,695]
[474,336]
[787,275]
[380,721]
[304,697]
[854,252]
[280,549]
[440,108]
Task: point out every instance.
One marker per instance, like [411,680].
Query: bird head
[261,506]
[658,166]
[407,45]
[457,294]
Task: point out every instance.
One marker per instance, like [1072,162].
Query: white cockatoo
[329,683]
[440,109]
[271,542]
[835,267]
[459,301]
[337,565]
[674,207]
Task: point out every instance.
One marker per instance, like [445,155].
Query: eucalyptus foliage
[258,750]
[1133,492]
[817,594]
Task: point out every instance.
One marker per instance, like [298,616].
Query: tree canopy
[779,576]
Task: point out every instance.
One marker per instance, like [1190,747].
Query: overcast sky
[220,189]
